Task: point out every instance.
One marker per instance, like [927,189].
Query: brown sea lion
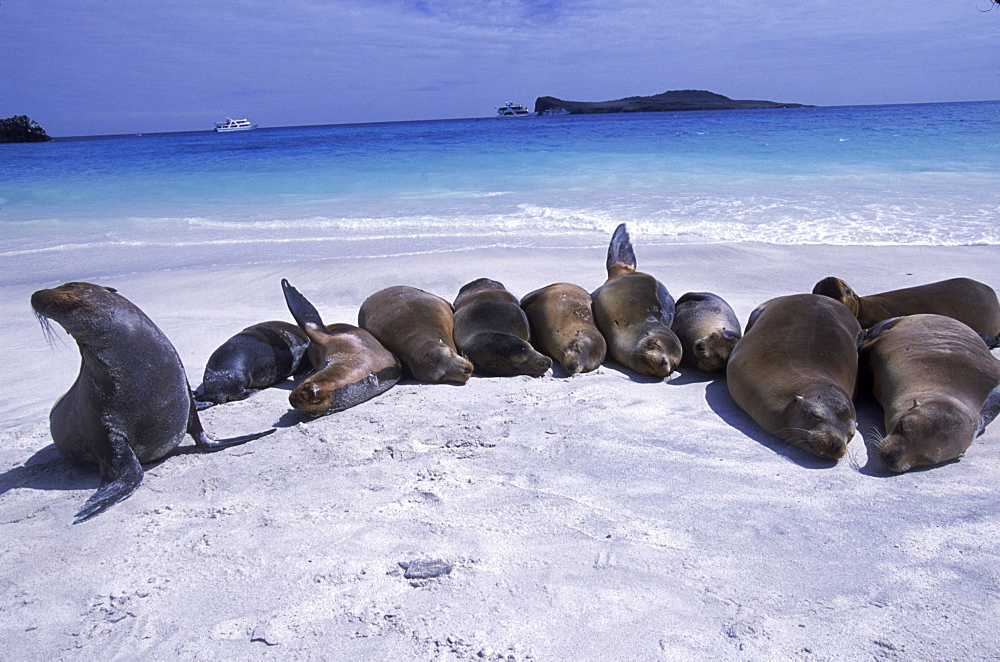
[131,402]
[795,369]
[349,364]
[708,330]
[964,299]
[938,384]
[493,332]
[257,357]
[562,325]
[634,312]
[418,327]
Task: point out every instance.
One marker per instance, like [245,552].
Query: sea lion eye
[699,346]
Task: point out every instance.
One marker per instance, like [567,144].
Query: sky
[90,67]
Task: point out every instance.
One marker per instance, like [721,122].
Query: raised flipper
[990,410]
[121,475]
[868,336]
[991,341]
[620,249]
[305,314]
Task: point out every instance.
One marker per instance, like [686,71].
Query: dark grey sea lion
[795,371]
[938,384]
[561,318]
[492,331]
[634,312]
[418,327]
[964,299]
[350,365]
[708,330]
[257,357]
[131,402]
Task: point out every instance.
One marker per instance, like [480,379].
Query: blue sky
[114,66]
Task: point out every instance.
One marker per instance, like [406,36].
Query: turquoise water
[876,175]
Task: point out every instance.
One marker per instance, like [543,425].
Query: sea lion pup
[794,371]
[492,331]
[634,312]
[708,330]
[131,402]
[938,385]
[964,299]
[561,318]
[418,327]
[349,364]
[257,357]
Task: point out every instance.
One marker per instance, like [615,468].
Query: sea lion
[492,331]
[795,369]
[708,330]
[131,402]
[964,299]
[634,312]
[938,385]
[257,357]
[349,364]
[561,318]
[418,327]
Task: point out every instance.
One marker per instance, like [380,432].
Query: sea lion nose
[310,393]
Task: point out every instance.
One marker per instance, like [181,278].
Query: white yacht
[513,110]
[234,125]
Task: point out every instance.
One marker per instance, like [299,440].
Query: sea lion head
[660,353]
[83,309]
[928,433]
[503,355]
[711,352]
[442,364]
[822,422]
[837,289]
[584,353]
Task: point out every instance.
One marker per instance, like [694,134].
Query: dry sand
[600,517]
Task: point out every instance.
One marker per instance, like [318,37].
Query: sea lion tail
[305,313]
[620,250]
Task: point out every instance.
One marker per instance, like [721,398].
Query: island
[672,100]
[21,129]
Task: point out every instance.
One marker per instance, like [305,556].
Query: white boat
[234,125]
[513,110]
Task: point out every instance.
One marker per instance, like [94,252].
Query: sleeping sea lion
[131,402]
[418,327]
[634,312]
[708,330]
[938,384]
[561,318]
[349,364]
[257,357]
[964,299]
[493,332]
[794,372]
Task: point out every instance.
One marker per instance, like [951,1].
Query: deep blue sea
[867,175]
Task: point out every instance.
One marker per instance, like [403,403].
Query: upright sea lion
[938,385]
[634,312]
[131,402]
[795,369]
[964,299]
[493,332]
[418,327]
[708,330]
[257,357]
[349,364]
[561,318]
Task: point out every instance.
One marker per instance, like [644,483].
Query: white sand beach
[604,516]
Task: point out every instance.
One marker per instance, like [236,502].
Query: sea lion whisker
[50,334]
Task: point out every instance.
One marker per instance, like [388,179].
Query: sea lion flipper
[992,342]
[121,475]
[868,336]
[305,313]
[620,249]
[990,410]
[206,443]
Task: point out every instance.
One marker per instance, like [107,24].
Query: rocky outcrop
[667,101]
[21,129]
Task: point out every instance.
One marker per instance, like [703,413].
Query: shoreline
[652,518]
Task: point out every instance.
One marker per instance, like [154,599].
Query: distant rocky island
[21,129]
[671,100]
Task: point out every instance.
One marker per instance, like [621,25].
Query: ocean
[861,175]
